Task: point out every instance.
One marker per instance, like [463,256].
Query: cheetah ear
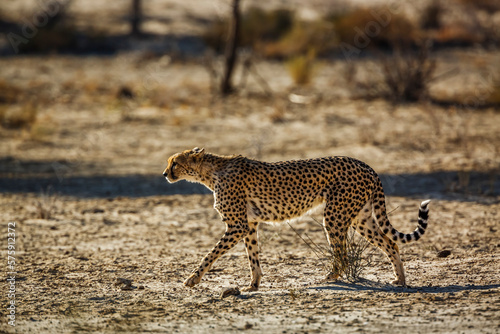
[198,151]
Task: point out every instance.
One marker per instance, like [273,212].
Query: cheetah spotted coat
[248,192]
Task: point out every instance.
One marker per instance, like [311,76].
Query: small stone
[125,284]
[230,292]
[124,281]
[444,253]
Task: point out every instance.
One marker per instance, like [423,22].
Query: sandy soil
[68,268]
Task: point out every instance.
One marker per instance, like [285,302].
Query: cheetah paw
[192,280]
[250,288]
[399,282]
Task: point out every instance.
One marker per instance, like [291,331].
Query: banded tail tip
[425,203]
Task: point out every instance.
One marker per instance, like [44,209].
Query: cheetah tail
[423,216]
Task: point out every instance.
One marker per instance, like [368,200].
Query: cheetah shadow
[64,178]
[373,286]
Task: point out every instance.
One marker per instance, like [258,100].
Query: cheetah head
[184,165]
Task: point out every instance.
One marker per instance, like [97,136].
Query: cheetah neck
[210,166]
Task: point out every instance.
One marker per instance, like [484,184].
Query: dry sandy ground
[92,163]
[68,267]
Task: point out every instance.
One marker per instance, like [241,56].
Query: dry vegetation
[301,68]
[408,75]
[281,33]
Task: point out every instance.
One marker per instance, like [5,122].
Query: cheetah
[248,192]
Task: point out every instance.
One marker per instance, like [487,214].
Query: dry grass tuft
[301,68]
[431,17]
[9,93]
[42,129]
[45,205]
[407,75]
[18,117]
[260,25]
[356,261]
[58,33]
[278,114]
[59,38]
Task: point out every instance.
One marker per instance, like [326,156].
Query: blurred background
[94,96]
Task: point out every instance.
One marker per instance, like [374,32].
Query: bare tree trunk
[231,50]
[136,17]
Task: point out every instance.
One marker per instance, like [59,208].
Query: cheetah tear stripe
[423,216]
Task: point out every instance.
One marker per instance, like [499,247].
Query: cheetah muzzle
[248,192]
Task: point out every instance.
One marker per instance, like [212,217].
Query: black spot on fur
[423,214]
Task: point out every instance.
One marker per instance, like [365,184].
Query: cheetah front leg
[228,240]
[252,247]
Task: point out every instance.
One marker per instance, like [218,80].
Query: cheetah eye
[174,164]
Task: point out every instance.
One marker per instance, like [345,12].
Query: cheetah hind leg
[336,228]
[339,258]
[366,225]
[339,264]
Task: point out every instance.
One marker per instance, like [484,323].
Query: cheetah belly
[275,212]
